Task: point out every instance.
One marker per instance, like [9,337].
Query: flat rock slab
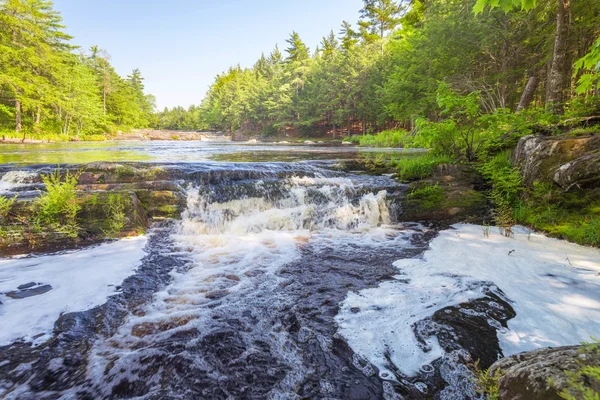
[29,290]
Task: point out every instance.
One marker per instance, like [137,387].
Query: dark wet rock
[568,161]
[30,291]
[275,333]
[458,199]
[527,376]
[26,286]
[61,363]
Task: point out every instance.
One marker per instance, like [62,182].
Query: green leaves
[505,5]
[591,63]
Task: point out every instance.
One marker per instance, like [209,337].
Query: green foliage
[574,216]
[581,382]
[48,90]
[6,205]
[116,219]
[57,208]
[429,196]
[420,167]
[590,63]
[487,384]
[389,138]
[505,5]
[506,186]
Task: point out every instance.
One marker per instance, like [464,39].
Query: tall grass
[389,138]
[419,167]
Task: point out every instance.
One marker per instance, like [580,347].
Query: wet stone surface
[206,318]
[29,290]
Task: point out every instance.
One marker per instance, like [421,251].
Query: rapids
[259,291]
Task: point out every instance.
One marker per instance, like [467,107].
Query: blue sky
[180,45]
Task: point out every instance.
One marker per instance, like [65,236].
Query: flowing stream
[266,288]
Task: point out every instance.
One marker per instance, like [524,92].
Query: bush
[94,138]
[486,384]
[57,208]
[390,138]
[116,219]
[5,207]
[507,186]
[421,167]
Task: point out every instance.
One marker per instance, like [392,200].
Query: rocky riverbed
[276,280]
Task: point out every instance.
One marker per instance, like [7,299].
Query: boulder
[568,161]
[580,173]
[527,376]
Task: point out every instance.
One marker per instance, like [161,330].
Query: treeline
[50,88]
[384,72]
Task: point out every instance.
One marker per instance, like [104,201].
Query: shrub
[487,384]
[116,219]
[57,208]
[94,138]
[389,138]
[414,168]
[5,207]
[507,186]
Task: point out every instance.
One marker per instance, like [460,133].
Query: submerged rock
[29,290]
[541,374]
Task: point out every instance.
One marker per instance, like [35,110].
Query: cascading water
[239,298]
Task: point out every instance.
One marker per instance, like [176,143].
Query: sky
[180,45]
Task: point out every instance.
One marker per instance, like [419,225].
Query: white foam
[554,286]
[14,179]
[236,249]
[80,280]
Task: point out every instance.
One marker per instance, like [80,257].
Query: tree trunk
[333,137]
[528,93]
[38,115]
[364,127]
[104,92]
[18,121]
[560,68]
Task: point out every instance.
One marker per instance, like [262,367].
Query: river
[285,277]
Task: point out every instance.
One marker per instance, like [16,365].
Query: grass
[574,216]
[389,138]
[57,208]
[421,167]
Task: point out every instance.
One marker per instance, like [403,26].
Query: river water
[284,278]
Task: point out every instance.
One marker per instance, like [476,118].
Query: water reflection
[178,151]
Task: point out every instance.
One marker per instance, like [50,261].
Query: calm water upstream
[177,151]
[280,280]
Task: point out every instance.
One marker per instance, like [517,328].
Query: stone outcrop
[143,194]
[540,374]
[459,198]
[568,161]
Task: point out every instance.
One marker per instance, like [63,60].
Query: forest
[396,68]
[52,89]
[390,70]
